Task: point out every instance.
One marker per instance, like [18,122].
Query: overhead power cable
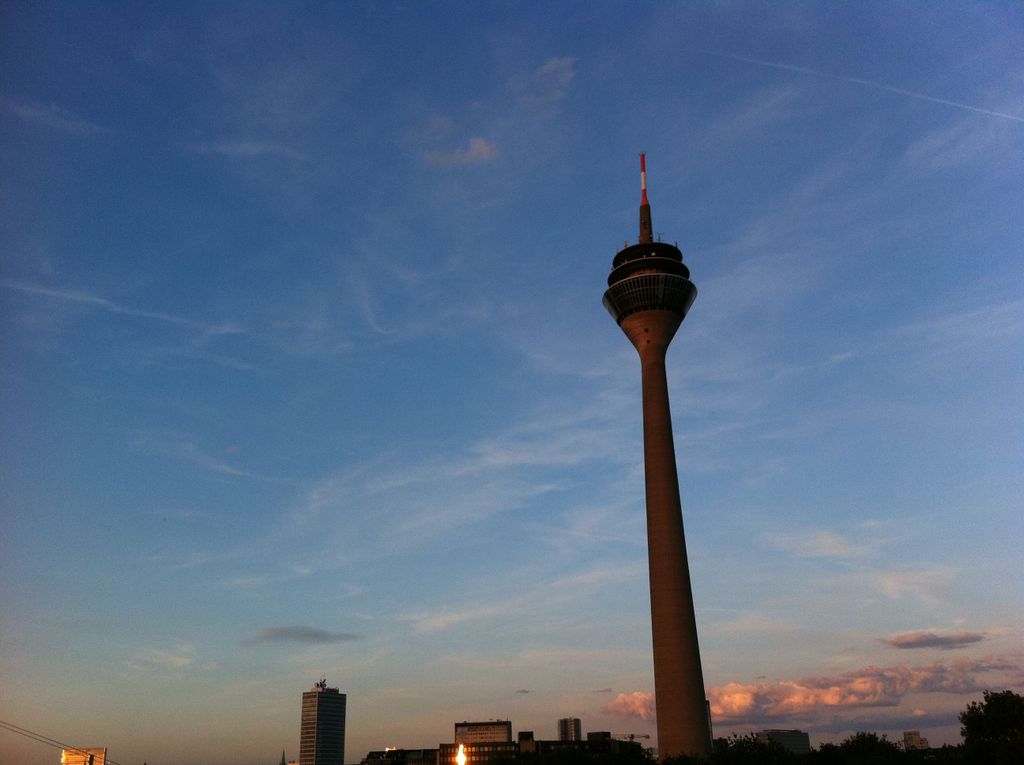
[44,739]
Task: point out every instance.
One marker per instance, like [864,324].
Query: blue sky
[305,369]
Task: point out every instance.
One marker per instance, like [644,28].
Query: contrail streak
[867,83]
[75,296]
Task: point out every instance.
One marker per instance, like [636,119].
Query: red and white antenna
[643,179]
[646,227]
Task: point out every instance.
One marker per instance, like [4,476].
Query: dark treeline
[992,729]
[859,749]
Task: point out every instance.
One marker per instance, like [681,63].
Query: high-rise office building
[322,733]
[649,293]
[569,729]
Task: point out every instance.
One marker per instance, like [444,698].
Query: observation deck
[649,276]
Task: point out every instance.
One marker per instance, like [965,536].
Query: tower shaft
[678,677]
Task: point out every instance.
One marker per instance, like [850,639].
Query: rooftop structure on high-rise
[90,756]
[649,293]
[322,732]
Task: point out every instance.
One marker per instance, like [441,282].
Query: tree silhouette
[739,750]
[993,729]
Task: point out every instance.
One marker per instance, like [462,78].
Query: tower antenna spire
[646,227]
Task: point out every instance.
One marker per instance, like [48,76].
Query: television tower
[649,293]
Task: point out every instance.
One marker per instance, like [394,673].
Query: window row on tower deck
[650,291]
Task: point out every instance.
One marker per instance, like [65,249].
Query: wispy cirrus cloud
[536,660]
[753,703]
[418,496]
[755,623]
[298,634]
[247,149]
[102,303]
[967,141]
[182,447]
[179,657]
[478,151]
[549,82]
[753,114]
[928,585]
[53,116]
[434,128]
[928,639]
[524,603]
[966,329]
[813,544]
[446,617]
[540,443]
